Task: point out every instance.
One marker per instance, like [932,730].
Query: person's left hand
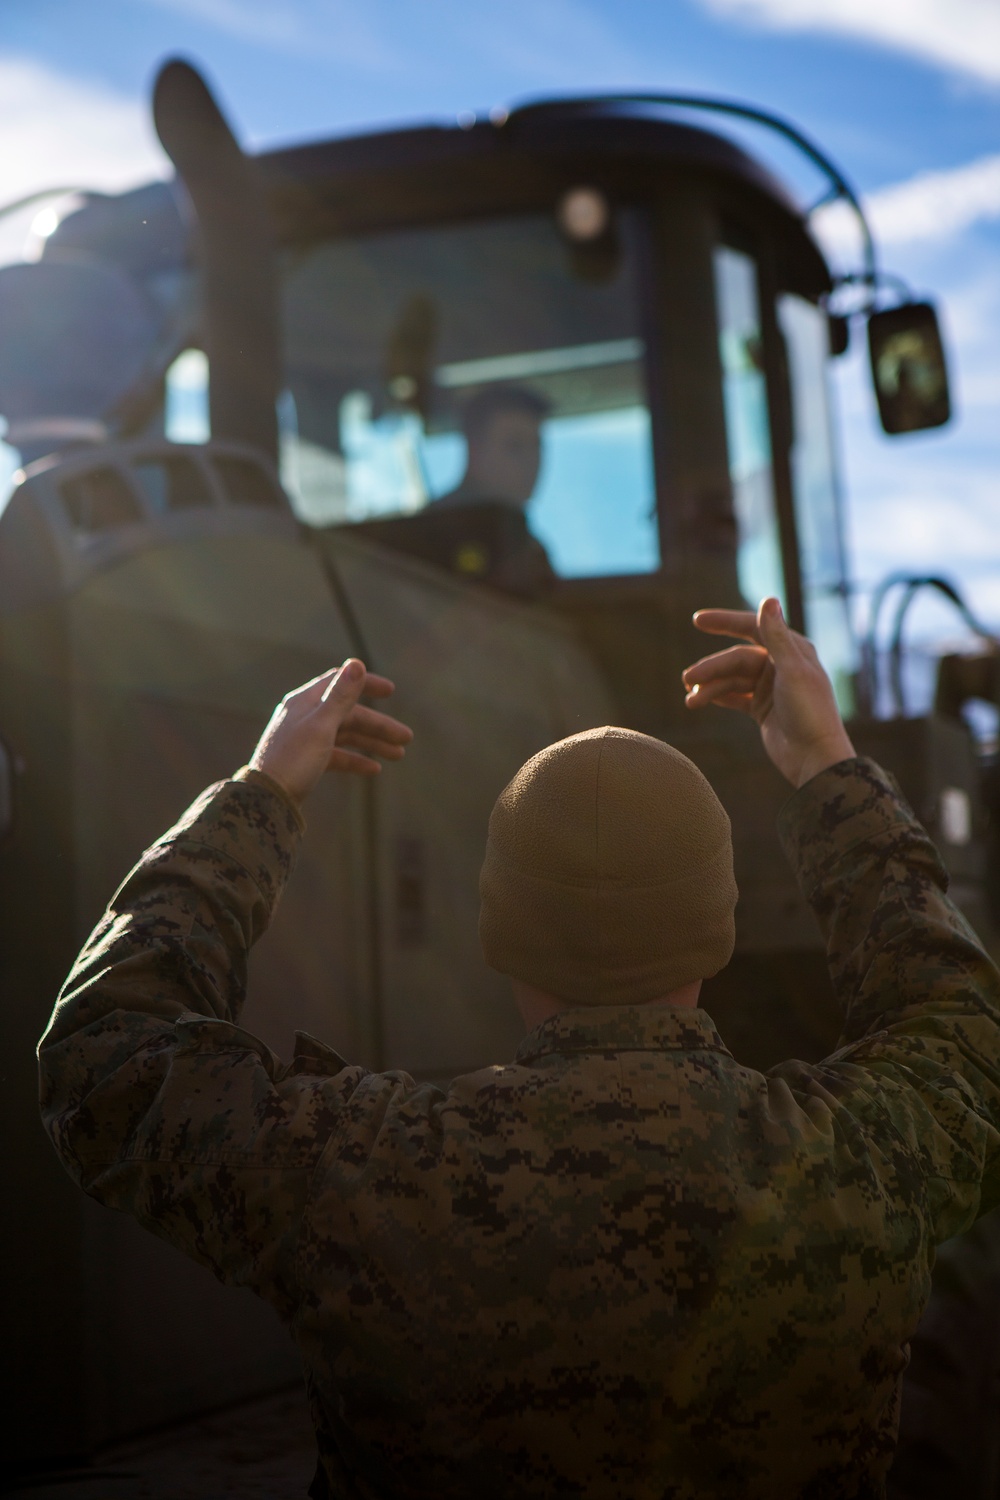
[321,727]
[779,680]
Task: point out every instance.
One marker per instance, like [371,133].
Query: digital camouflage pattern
[621,1265]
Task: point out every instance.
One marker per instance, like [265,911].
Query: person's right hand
[322,727]
[779,681]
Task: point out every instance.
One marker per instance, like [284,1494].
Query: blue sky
[905,94]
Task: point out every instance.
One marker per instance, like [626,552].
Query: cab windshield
[493,361]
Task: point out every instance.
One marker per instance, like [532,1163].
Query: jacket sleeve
[155,1099]
[919,1058]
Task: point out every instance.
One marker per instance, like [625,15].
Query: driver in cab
[482,520]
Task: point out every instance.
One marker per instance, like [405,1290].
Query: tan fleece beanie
[608,877]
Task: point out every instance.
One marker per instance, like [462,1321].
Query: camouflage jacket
[620,1265]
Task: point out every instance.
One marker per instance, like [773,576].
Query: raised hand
[321,726]
[778,679]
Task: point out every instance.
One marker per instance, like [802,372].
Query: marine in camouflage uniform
[620,1265]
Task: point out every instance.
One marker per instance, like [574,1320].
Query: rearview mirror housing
[908,368]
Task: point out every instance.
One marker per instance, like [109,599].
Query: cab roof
[434,173]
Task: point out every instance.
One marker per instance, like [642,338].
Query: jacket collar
[623,1028]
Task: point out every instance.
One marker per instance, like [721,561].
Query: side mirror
[908,368]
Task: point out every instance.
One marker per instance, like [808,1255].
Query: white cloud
[931,206]
[254,22]
[940,518]
[558,42]
[56,129]
[936,204]
[955,34]
[60,131]
[563,44]
[352,34]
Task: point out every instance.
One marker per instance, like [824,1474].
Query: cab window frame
[643,278]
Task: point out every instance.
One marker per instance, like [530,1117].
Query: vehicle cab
[646,284]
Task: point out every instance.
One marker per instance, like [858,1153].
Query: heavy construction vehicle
[239,399]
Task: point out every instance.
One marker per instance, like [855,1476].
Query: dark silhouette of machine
[331,314]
